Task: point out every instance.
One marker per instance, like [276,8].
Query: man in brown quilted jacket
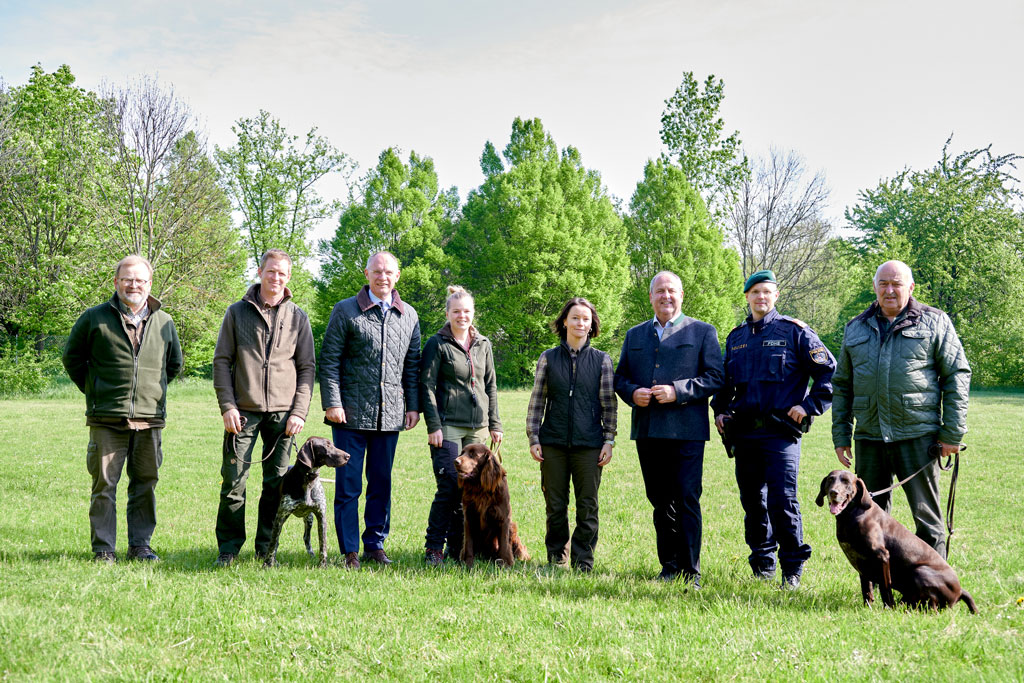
[263,371]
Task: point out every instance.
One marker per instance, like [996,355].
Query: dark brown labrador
[489,529]
[884,551]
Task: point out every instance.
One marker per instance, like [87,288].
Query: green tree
[164,202]
[54,159]
[692,130]
[400,208]
[539,230]
[962,222]
[270,176]
[669,228]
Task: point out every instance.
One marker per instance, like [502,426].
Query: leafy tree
[692,130]
[777,224]
[539,230]
[271,180]
[164,202]
[669,229]
[54,159]
[965,229]
[400,208]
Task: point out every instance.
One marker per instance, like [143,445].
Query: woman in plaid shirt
[571,424]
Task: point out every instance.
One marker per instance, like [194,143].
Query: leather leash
[234,447]
[952,462]
[496,449]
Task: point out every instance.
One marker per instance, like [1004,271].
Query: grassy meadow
[63,617]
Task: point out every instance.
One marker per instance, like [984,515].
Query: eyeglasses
[132,281]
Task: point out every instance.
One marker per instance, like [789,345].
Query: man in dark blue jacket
[763,411]
[669,368]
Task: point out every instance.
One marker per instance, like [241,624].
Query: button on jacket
[906,382]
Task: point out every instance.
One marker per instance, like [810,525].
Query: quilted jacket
[909,382]
[369,363]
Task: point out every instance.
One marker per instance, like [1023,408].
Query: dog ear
[490,472]
[861,494]
[305,456]
[820,500]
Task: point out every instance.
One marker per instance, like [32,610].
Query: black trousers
[445,521]
[673,471]
[560,466]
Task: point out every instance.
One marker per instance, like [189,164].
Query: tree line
[86,177]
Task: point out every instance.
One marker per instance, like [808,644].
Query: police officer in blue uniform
[762,412]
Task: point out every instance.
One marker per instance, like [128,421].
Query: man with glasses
[121,355]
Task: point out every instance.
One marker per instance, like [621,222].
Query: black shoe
[261,555]
[225,559]
[434,558]
[764,574]
[105,557]
[668,574]
[790,582]
[378,556]
[143,553]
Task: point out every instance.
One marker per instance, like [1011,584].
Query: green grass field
[63,617]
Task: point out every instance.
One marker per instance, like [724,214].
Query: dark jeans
[559,467]
[445,521]
[377,449]
[109,450]
[236,459]
[766,472]
[673,470]
[876,462]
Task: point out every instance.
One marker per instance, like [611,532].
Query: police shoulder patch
[819,354]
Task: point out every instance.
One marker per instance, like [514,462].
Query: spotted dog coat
[302,494]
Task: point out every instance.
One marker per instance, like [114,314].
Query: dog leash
[234,447]
[496,449]
[952,462]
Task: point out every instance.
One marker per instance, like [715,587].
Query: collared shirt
[660,329]
[384,305]
[539,399]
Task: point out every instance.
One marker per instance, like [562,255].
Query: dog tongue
[834,508]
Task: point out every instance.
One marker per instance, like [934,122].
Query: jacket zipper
[572,389]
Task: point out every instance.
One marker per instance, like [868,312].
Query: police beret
[759,276]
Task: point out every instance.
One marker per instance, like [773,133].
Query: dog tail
[966,597]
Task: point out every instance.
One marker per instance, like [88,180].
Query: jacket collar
[253,295]
[911,314]
[568,349]
[153,303]
[365,303]
[446,332]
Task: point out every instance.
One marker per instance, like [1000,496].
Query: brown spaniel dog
[489,529]
[884,551]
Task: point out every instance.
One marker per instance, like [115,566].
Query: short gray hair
[382,253]
[900,264]
[662,273]
[131,259]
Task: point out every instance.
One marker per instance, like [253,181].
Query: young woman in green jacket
[459,399]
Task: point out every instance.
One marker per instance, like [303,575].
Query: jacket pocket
[915,344]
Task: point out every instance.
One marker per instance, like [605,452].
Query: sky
[860,89]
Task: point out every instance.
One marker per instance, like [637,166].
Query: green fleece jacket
[458,387]
[100,359]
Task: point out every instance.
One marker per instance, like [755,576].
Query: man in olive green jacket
[902,376]
[121,354]
[263,371]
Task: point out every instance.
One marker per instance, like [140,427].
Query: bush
[23,371]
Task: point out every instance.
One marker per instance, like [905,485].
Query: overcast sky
[860,89]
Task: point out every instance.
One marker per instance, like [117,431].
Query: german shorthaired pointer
[302,494]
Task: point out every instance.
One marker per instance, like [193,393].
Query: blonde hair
[456,292]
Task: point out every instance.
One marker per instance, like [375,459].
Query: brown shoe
[434,558]
[351,561]
[378,556]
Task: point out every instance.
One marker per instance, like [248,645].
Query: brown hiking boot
[351,561]
[378,556]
